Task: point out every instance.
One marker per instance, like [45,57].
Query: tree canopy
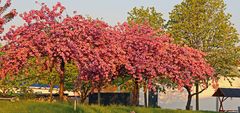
[88,43]
[99,50]
[146,16]
[204,25]
[150,55]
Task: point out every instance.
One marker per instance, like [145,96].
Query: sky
[114,11]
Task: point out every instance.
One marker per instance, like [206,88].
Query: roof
[43,86]
[227,92]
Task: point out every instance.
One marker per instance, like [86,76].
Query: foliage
[150,56]
[61,42]
[124,82]
[6,17]
[204,25]
[29,75]
[98,51]
[87,43]
[7,87]
[146,15]
[71,76]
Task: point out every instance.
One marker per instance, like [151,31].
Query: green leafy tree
[146,15]
[6,87]
[19,85]
[204,25]
[33,73]
[50,77]
[71,76]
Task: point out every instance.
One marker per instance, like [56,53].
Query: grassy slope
[43,107]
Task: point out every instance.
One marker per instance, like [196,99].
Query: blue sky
[113,11]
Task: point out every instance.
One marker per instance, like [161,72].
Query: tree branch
[200,91]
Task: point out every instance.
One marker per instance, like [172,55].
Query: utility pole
[197,96]
[217,104]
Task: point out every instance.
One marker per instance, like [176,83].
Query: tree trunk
[82,99]
[135,95]
[145,99]
[189,102]
[190,95]
[61,88]
[189,99]
[99,96]
[197,96]
[83,96]
[145,96]
[61,83]
[51,91]
[83,91]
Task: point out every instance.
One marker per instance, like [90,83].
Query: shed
[224,93]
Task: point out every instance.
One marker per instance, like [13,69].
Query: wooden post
[75,102]
[147,97]
[221,103]
[217,109]
[197,97]
[75,105]
[99,96]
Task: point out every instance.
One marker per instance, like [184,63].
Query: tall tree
[146,16]
[204,25]
[47,33]
[151,56]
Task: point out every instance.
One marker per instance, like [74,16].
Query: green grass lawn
[44,107]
